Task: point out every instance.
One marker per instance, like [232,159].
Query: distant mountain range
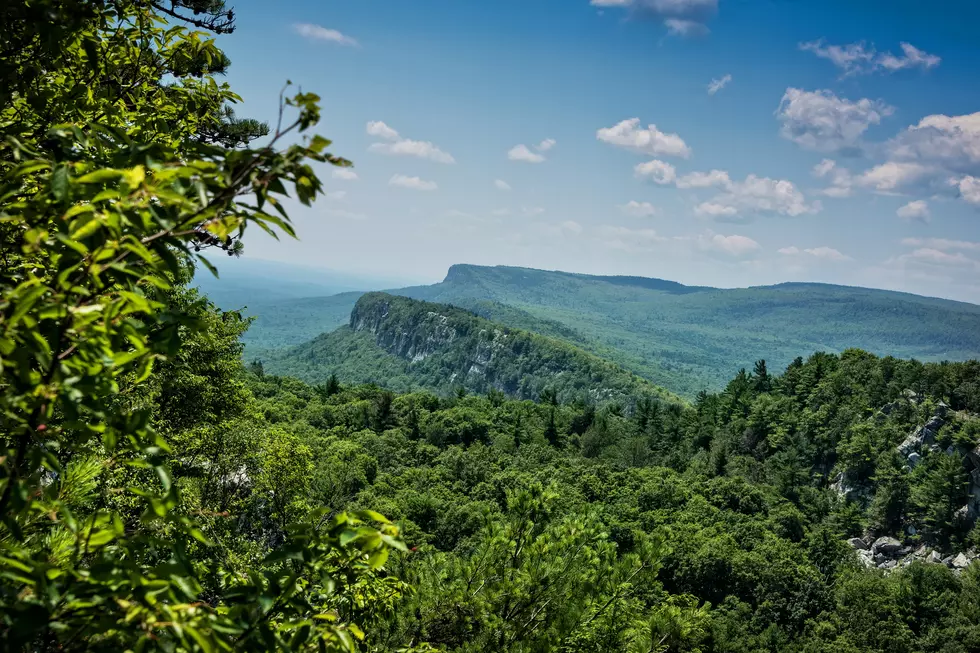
[683,338]
[406,344]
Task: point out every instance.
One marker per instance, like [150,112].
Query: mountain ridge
[408,344]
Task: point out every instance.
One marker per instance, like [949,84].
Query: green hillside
[404,344]
[683,338]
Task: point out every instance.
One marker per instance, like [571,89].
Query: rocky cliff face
[418,335]
[446,345]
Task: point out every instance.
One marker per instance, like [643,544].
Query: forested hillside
[405,344]
[722,526]
[682,338]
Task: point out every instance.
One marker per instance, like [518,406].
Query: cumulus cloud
[969,188]
[862,59]
[949,142]
[344,174]
[629,134]
[704,180]
[789,251]
[917,210]
[638,209]
[320,33]
[659,172]
[415,183]
[821,121]
[718,84]
[500,184]
[892,176]
[396,145]
[571,226]
[734,245]
[546,144]
[754,194]
[524,153]
[828,253]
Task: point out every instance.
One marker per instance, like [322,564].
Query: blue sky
[841,142]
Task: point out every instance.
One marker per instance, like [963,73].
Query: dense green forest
[158,494]
[526,519]
[405,344]
[682,338]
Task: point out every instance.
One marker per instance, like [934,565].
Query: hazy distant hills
[683,338]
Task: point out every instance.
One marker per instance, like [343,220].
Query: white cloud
[734,245]
[789,251]
[912,57]
[892,176]
[969,188]
[415,183]
[638,209]
[859,58]
[718,84]
[917,210]
[320,33]
[819,120]
[659,172]
[630,135]
[532,211]
[382,130]
[399,146]
[753,195]
[572,226]
[828,253]
[500,184]
[705,180]
[345,174]
[524,153]
[684,27]
[756,195]
[841,180]
[950,142]
[716,210]
[501,212]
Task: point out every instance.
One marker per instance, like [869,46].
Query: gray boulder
[886,545]
[961,561]
[914,459]
[858,543]
[934,558]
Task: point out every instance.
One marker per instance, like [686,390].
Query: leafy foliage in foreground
[119,401]
[406,344]
[568,527]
